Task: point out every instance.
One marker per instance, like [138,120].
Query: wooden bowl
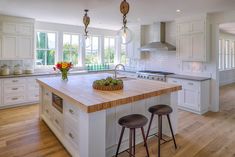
[108,88]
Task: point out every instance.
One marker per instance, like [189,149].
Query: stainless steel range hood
[159,39]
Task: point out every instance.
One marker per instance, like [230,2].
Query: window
[220,54]
[109,50]
[92,50]
[71,51]
[45,48]
[226,54]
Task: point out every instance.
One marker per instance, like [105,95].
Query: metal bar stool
[160,110]
[133,122]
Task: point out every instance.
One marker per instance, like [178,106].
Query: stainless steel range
[153,75]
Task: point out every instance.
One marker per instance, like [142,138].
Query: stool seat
[133,121]
[160,109]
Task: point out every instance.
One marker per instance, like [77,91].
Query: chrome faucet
[115,70]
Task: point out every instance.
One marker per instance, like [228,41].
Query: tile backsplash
[22,63]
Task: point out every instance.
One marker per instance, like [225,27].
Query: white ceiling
[228,28]
[106,14]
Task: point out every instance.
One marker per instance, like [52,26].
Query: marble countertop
[188,77]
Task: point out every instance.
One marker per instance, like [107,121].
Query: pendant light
[86,21]
[125,34]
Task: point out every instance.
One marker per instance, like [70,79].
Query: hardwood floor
[210,135]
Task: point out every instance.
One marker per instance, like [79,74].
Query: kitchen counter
[86,120]
[50,74]
[79,90]
[187,77]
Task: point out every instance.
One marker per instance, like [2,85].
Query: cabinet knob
[71,135]
[71,111]
[190,83]
[57,122]
[14,80]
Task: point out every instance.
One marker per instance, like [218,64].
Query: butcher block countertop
[78,90]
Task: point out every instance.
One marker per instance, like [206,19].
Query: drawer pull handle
[71,111]
[14,88]
[14,80]
[71,135]
[175,81]
[191,84]
[47,111]
[14,99]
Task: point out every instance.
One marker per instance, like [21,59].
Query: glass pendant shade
[125,35]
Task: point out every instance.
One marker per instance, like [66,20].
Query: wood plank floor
[210,135]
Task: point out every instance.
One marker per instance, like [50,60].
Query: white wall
[226,76]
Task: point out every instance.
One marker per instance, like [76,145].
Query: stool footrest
[164,140]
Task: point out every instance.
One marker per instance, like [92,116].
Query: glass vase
[64,75]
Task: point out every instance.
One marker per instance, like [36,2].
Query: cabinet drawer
[14,89]
[57,120]
[47,112]
[71,112]
[72,136]
[192,85]
[15,81]
[13,99]
[33,95]
[174,81]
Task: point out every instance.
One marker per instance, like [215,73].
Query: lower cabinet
[17,91]
[194,95]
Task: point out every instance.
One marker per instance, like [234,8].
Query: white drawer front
[58,121]
[72,136]
[33,87]
[71,112]
[15,81]
[193,85]
[47,112]
[14,89]
[14,99]
[33,96]
[174,81]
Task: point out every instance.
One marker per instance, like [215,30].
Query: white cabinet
[25,49]
[17,38]
[192,39]
[194,95]
[9,47]
[0,47]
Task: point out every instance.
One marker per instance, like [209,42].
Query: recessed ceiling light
[178,10]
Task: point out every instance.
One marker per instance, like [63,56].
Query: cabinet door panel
[185,51]
[198,47]
[25,47]
[198,26]
[9,47]
[25,29]
[190,99]
[10,28]
[184,28]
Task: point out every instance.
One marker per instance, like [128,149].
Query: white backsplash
[12,63]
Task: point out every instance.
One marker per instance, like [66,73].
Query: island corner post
[95,134]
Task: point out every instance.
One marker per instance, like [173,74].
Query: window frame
[80,36]
[36,49]
[115,46]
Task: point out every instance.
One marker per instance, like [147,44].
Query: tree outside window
[45,48]
[71,48]
[109,50]
[92,50]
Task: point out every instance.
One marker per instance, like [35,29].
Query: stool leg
[169,121]
[149,127]
[159,133]
[130,143]
[134,142]
[120,141]
[145,142]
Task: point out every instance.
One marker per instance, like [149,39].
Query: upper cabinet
[193,39]
[17,38]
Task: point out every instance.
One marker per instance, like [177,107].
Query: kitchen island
[85,119]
